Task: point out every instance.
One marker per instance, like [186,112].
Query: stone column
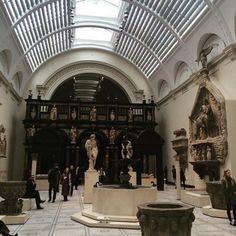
[34,163]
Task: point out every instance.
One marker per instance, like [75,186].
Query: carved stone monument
[11,191]
[208,133]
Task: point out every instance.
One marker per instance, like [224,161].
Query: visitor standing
[72,179]
[53,180]
[229,190]
[65,182]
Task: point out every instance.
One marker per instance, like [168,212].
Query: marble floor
[54,219]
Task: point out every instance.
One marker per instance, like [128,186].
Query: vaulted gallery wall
[173,113]
[9,101]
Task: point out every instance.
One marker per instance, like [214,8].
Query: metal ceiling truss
[149,32]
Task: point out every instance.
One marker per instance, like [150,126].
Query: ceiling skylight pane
[90,7]
[91,33]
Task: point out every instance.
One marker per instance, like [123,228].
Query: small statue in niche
[112,135]
[31,131]
[130,115]
[93,114]
[3,141]
[73,114]
[203,56]
[209,153]
[73,135]
[149,116]
[112,115]
[53,113]
[33,113]
[201,130]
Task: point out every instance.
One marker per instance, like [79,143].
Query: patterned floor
[55,220]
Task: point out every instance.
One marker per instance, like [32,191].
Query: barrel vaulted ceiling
[145,32]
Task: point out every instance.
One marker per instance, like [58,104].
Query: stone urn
[214,189]
[165,219]
[11,191]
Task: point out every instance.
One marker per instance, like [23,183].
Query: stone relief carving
[208,133]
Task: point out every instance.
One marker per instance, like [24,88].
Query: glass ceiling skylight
[143,32]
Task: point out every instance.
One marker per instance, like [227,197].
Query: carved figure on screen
[53,113]
[31,131]
[33,113]
[127,150]
[130,115]
[3,141]
[112,115]
[73,135]
[73,114]
[112,135]
[92,151]
[149,116]
[93,114]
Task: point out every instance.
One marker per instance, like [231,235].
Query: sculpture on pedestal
[92,151]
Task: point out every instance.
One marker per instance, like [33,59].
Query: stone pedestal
[117,201]
[12,191]
[91,177]
[133,179]
[165,219]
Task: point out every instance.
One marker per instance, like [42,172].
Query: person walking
[229,190]
[65,182]
[31,192]
[72,179]
[53,180]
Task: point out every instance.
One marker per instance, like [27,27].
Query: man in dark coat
[53,180]
[4,230]
[72,179]
[229,190]
[31,192]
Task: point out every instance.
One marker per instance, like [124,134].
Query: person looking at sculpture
[31,192]
[72,179]
[65,182]
[92,151]
[229,190]
[93,114]
[54,176]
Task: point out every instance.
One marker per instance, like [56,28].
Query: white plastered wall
[78,56]
[8,118]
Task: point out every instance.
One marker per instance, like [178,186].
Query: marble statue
[53,113]
[93,114]
[92,151]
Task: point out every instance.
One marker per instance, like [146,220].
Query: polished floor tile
[54,220]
